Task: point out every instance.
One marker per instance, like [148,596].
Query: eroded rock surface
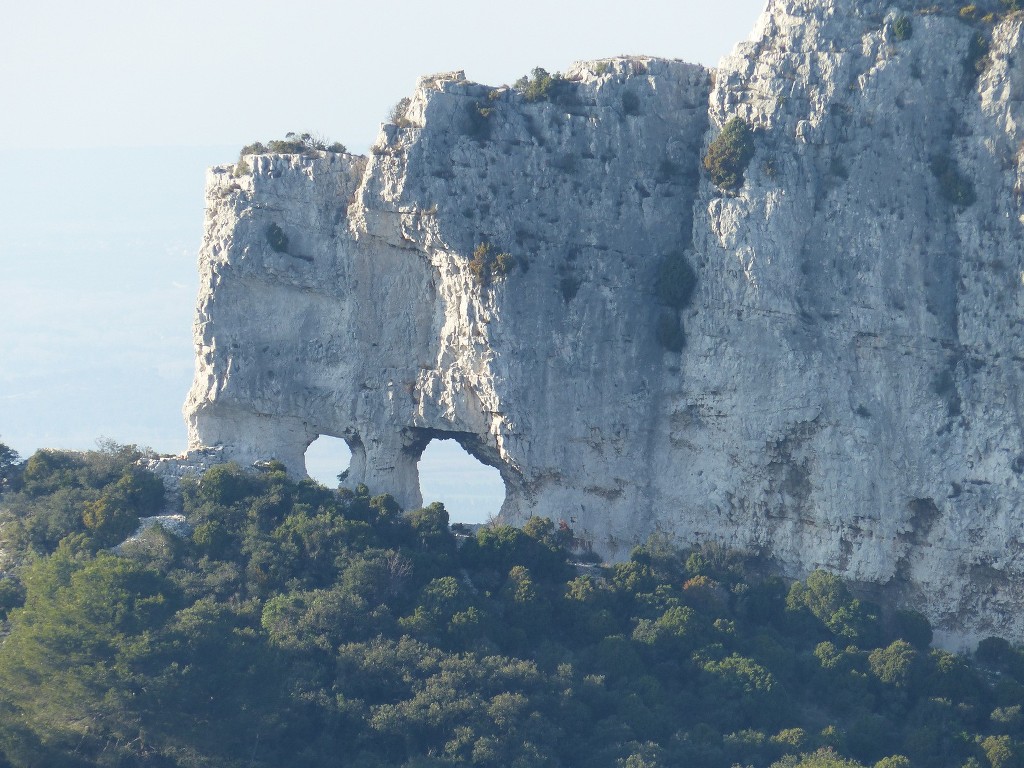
[848,392]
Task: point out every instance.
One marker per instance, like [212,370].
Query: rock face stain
[850,352]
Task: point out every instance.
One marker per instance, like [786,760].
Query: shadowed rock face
[841,390]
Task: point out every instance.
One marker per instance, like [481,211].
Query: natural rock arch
[393,465]
[328,458]
[471,491]
[850,346]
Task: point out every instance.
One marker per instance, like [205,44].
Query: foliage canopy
[299,623]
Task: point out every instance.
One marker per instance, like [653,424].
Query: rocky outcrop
[821,366]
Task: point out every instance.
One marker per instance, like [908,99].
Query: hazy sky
[110,112]
[212,72]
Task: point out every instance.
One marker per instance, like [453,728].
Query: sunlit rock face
[841,390]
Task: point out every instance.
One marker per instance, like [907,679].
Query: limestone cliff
[842,390]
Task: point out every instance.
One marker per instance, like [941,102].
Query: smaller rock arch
[328,458]
[390,462]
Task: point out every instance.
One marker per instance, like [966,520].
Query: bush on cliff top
[398,112]
[292,144]
[540,85]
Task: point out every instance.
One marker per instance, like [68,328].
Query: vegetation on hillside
[292,144]
[298,624]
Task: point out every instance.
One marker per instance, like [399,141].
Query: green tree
[70,669]
[217,692]
[1009,719]
[730,154]
[495,550]
[318,619]
[299,623]
[647,755]
[894,761]
[227,484]
[540,85]
[1002,752]
[995,653]
[823,758]
[746,692]
[829,600]
[440,602]
[894,665]
[430,526]
[673,632]
[902,28]
[97,493]
[9,463]
[115,514]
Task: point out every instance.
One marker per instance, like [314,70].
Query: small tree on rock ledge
[730,154]
[486,265]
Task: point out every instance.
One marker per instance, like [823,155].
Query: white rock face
[849,396]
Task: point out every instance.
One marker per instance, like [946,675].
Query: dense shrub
[99,494]
[397,115]
[115,514]
[540,85]
[902,28]
[292,144]
[256,148]
[730,154]
[488,265]
[988,11]
[10,463]
[828,599]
